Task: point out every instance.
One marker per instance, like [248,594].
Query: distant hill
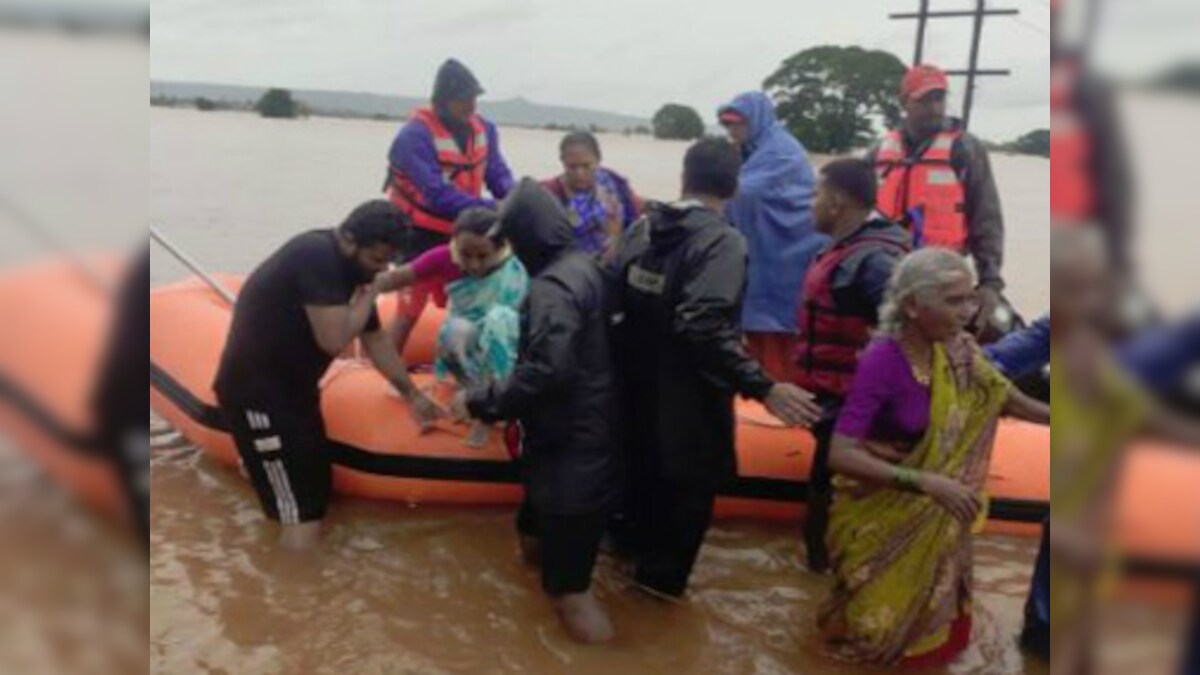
[510,112]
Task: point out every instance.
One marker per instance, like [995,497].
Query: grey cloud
[491,17]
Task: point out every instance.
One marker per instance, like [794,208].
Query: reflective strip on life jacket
[923,193]
[944,142]
[464,169]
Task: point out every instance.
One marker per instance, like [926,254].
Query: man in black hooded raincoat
[683,273]
[563,393]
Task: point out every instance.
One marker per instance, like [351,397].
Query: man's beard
[355,272]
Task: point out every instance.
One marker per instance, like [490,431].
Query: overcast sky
[625,56]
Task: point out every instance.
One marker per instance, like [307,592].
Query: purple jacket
[414,155]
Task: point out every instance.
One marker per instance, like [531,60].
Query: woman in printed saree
[911,449]
[484,285]
[599,201]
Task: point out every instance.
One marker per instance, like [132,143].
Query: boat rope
[192,265]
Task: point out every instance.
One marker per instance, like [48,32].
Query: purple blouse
[886,403]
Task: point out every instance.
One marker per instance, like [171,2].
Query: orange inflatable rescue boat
[379,454]
[55,328]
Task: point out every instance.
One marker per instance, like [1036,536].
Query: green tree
[205,104]
[277,103]
[832,98]
[1033,143]
[677,122]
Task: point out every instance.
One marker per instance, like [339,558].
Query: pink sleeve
[432,270]
[871,391]
[435,264]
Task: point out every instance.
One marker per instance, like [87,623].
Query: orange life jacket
[464,169]
[924,192]
[1072,196]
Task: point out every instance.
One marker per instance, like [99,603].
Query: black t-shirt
[271,350]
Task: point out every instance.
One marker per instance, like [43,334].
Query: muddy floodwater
[436,590]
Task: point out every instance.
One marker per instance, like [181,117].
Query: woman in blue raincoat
[773,211]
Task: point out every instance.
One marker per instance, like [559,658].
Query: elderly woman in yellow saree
[912,449]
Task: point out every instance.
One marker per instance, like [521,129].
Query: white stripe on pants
[285,501]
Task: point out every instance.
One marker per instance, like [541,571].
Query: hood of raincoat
[759,112]
[672,222]
[536,226]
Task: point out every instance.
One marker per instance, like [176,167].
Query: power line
[978,14]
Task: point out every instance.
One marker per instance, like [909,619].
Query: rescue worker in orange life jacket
[438,165]
[936,180]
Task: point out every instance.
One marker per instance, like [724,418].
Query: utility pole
[973,71]
[922,21]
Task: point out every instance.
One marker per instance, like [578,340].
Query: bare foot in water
[478,436]
[584,619]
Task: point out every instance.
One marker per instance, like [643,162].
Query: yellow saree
[1089,432]
[902,563]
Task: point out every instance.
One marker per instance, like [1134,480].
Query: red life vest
[1072,196]
[927,183]
[830,338]
[465,170]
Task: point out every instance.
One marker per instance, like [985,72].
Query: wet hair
[376,222]
[711,167]
[853,178]
[481,221]
[917,275]
[580,138]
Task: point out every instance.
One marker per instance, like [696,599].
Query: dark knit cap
[455,82]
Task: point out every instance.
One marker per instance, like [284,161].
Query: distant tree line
[275,104]
[638,130]
[558,126]
[200,103]
[1033,143]
[281,104]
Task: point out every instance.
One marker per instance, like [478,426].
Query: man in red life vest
[843,289]
[936,180]
[439,163]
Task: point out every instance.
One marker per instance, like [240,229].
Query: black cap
[455,82]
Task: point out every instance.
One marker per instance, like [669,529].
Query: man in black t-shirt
[300,309]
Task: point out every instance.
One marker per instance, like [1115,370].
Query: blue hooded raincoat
[773,210]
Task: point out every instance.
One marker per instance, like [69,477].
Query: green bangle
[907,478]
